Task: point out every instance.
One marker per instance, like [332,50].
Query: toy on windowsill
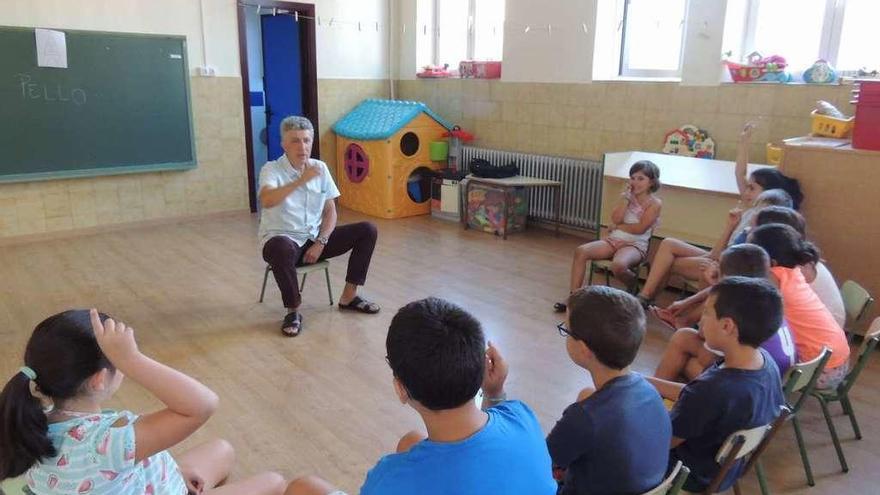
[435,72]
[689,140]
[757,69]
[820,72]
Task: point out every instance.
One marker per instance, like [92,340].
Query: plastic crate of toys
[486,212]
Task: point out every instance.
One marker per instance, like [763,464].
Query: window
[467,30]
[652,33]
[803,31]
[639,38]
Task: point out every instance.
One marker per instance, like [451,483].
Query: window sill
[637,79]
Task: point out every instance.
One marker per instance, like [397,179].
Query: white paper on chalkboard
[51,48]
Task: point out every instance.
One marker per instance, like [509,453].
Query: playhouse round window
[409,144]
[418,184]
[357,163]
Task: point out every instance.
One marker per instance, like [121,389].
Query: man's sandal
[361,305]
[292,325]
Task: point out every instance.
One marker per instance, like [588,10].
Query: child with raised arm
[677,257]
[77,360]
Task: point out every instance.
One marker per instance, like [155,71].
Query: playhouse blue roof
[380,119]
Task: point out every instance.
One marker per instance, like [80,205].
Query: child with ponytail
[808,318]
[76,360]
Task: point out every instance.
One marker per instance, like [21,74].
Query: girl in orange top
[812,324]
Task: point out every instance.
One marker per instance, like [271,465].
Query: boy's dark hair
[609,321]
[774,197]
[64,353]
[437,352]
[780,214]
[771,178]
[744,260]
[651,171]
[753,304]
[785,245]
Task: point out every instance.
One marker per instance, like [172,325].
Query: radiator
[581,184]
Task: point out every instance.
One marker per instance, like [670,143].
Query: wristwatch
[322,240]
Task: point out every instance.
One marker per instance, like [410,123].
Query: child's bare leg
[698,364]
[692,268]
[670,250]
[310,485]
[407,441]
[621,265]
[583,254]
[684,344]
[211,462]
[262,484]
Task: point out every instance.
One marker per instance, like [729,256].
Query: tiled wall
[335,98]
[218,183]
[587,120]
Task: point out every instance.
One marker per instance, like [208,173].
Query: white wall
[704,30]
[343,51]
[179,17]
[563,55]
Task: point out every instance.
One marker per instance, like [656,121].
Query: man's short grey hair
[296,123]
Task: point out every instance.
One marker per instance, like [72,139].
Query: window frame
[624,70]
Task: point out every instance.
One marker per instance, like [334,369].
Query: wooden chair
[802,378]
[841,393]
[751,443]
[856,301]
[673,483]
[305,270]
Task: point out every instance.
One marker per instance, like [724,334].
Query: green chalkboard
[121,106]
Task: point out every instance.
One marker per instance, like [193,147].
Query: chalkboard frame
[118,169]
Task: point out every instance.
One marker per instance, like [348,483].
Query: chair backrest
[673,483]
[856,301]
[872,337]
[805,382]
[751,442]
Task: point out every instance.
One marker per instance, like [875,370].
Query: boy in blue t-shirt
[614,440]
[439,359]
[743,392]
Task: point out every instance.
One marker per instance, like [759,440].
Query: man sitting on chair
[298,223]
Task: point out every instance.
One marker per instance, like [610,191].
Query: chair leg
[834,439]
[302,285]
[329,287]
[762,481]
[848,410]
[806,460]
[265,279]
[736,488]
[590,280]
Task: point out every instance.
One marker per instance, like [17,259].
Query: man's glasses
[563,330]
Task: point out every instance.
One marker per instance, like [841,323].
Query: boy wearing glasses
[439,360]
[614,439]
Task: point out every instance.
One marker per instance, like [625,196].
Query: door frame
[309,77]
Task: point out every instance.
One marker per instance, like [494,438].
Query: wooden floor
[323,403]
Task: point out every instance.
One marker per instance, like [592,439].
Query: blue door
[282,75]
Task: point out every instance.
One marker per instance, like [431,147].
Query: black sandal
[361,305]
[292,325]
[560,307]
